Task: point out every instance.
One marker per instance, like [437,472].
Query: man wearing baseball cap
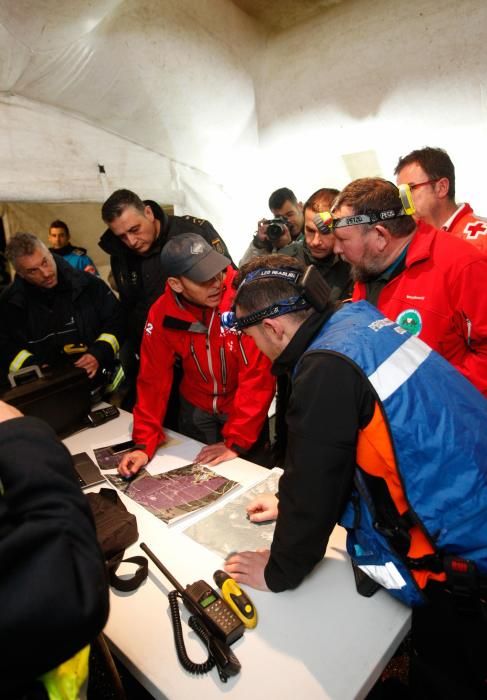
[227,386]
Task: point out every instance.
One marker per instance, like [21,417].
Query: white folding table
[320,641]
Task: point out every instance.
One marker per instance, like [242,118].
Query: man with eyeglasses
[430,174]
[432,285]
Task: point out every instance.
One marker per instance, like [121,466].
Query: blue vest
[438,426]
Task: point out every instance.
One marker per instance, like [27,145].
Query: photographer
[288,217]
[270,237]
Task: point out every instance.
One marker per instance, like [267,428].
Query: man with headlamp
[430,284]
[367,447]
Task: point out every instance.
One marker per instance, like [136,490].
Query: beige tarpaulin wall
[83,219]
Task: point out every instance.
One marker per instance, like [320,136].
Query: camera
[275,227]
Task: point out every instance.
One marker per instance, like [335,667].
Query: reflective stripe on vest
[397,368]
[67,680]
[427,440]
[19,360]
[111,340]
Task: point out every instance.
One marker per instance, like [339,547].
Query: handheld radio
[212,619]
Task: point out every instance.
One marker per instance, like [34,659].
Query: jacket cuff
[103,353]
[241,451]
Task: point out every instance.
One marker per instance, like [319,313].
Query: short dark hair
[321,200]
[280,197]
[435,162]
[22,244]
[263,292]
[57,223]
[371,194]
[117,202]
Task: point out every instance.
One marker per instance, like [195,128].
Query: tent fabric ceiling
[163,92]
[278,15]
[137,68]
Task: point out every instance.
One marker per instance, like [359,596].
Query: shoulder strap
[123,583]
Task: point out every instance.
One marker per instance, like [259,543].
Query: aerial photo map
[228,529]
[176,493]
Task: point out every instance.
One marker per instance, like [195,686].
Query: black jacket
[336,272]
[41,321]
[53,584]
[139,278]
[333,269]
[328,403]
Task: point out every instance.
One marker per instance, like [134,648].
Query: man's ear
[383,237]
[175,284]
[442,188]
[148,213]
[273,327]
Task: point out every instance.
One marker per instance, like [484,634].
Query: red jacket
[441,296]
[223,372]
[467,225]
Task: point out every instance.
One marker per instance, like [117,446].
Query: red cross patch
[475,229]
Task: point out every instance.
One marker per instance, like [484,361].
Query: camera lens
[275,229]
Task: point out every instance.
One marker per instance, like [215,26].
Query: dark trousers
[207,428]
[449,650]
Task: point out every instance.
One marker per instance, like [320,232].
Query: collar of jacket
[190,312]
[67,249]
[421,243]
[320,263]
[300,341]
[181,313]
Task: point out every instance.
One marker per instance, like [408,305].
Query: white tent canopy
[194,103]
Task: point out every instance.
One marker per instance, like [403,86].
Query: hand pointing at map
[132,462]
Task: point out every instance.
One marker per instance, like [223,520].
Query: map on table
[176,493]
[228,529]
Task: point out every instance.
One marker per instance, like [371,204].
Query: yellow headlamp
[406,199]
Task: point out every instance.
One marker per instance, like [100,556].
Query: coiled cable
[195,624]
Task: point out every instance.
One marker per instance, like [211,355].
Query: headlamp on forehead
[312,290]
[325,223]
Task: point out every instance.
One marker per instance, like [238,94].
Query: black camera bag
[116,529]
[61,396]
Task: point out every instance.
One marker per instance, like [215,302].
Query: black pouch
[116,529]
